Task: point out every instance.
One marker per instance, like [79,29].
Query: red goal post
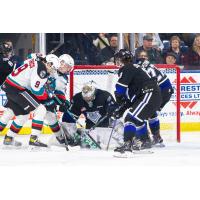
[85,70]
[177,70]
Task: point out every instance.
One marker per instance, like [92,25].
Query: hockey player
[8,61]
[139,98]
[166,93]
[93,103]
[25,90]
[58,87]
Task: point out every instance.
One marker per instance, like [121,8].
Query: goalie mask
[52,63]
[66,63]
[88,92]
[123,57]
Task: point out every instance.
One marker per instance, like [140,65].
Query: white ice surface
[170,173]
[186,153]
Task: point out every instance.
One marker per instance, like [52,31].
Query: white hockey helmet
[66,63]
[53,61]
[88,91]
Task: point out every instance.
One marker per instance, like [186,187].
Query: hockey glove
[120,110]
[64,106]
[49,104]
[111,108]
[120,99]
[118,113]
[50,87]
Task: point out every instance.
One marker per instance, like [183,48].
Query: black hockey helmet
[5,48]
[124,56]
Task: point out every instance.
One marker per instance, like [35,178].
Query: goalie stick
[92,128]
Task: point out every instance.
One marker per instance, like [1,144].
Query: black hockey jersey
[133,82]
[162,79]
[93,111]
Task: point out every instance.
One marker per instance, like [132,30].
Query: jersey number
[37,84]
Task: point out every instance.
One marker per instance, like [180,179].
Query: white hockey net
[105,77]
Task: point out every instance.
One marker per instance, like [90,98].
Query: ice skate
[137,144]
[34,141]
[126,147]
[146,144]
[157,141]
[10,141]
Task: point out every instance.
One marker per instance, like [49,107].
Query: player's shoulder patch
[41,71]
[42,74]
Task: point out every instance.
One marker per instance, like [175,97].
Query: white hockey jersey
[32,75]
[59,85]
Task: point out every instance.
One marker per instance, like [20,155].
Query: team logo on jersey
[43,74]
[94,116]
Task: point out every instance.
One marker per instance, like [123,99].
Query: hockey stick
[113,128]
[62,41]
[56,48]
[65,139]
[123,104]
[92,128]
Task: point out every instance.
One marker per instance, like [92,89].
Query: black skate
[60,139]
[126,147]
[10,141]
[35,142]
[157,141]
[146,144]
[137,144]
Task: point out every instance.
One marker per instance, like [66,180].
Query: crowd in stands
[99,49]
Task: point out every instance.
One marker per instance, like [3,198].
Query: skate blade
[142,152]
[39,149]
[159,145]
[123,155]
[11,147]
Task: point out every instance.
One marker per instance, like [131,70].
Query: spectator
[101,40]
[153,53]
[157,43]
[194,53]
[107,53]
[142,56]
[8,52]
[170,58]
[8,61]
[175,48]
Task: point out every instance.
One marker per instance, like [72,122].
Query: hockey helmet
[52,63]
[88,91]
[6,48]
[123,57]
[66,63]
